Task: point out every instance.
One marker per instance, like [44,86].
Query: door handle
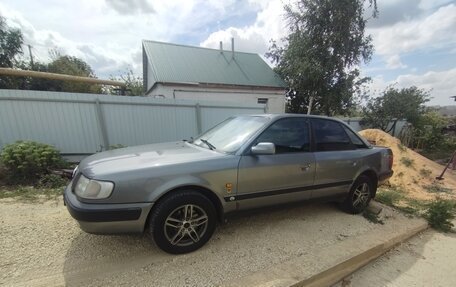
[305,167]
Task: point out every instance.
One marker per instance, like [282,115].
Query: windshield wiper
[211,146]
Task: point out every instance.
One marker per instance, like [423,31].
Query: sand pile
[414,173]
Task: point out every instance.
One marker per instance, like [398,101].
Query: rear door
[336,156]
[284,176]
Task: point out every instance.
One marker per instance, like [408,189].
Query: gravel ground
[43,246]
[428,259]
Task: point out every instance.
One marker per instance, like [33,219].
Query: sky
[414,40]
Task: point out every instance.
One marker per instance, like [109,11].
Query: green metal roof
[172,63]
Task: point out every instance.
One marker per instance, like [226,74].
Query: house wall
[276,99]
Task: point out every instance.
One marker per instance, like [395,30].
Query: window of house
[288,135]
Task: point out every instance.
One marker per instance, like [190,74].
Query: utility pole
[31,55]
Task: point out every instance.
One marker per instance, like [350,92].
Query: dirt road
[43,246]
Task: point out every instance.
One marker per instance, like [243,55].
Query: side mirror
[263,148]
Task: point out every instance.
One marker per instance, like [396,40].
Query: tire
[359,196]
[182,222]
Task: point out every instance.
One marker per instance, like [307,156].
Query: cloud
[131,6]
[269,24]
[439,83]
[393,11]
[394,62]
[433,31]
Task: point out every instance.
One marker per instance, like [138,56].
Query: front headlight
[93,189]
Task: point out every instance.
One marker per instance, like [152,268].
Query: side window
[330,136]
[354,138]
[288,135]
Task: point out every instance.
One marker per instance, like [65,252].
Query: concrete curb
[345,258]
[342,270]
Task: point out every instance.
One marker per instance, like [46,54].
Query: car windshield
[229,135]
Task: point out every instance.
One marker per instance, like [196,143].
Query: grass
[436,188]
[439,213]
[401,147]
[372,217]
[408,162]
[389,196]
[425,172]
[30,193]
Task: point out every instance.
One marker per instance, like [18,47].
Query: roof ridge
[198,47]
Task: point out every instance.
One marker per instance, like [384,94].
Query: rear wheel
[360,195]
[182,222]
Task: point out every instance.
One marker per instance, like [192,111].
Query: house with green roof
[187,72]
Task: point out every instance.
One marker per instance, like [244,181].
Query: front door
[285,176]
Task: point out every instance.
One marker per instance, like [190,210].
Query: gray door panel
[271,179]
[337,168]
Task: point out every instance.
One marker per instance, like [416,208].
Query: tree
[396,104]
[134,84]
[11,41]
[321,54]
[67,65]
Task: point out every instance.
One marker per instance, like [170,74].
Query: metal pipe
[54,76]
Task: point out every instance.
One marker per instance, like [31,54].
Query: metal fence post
[199,127]
[102,124]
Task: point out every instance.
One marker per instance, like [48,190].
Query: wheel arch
[373,177]
[209,194]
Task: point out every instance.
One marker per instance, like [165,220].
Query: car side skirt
[287,190]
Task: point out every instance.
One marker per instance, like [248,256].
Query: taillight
[391,159]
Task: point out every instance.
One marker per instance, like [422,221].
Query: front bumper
[107,218]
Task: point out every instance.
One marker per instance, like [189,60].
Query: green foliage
[134,84]
[116,146]
[67,65]
[321,55]
[401,147]
[389,197]
[440,213]
[425,172]
[408,162]
[393,105]
[52,181]
[10,48]
[28,159]
[30,193]
[437,188]
[428,132]
[372,217]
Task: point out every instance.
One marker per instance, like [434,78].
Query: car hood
[141,157]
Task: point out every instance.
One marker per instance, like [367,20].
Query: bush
[52,181]
[440,213]
[29,160]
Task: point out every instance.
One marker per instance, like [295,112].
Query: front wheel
[182,222]
[360,195]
